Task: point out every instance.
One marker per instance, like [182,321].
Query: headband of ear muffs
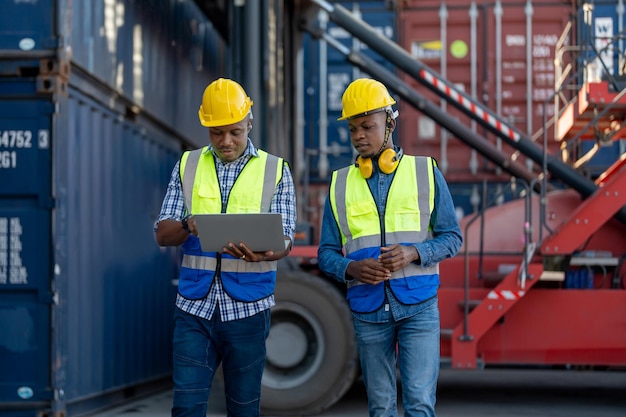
[387,160]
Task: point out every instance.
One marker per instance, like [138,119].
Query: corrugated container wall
[97,101]
[326,76]
[158,54]
[500,53]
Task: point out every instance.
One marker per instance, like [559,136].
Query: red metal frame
[612,170]
[590,216]
[592,98]
[497,302]
[532,324]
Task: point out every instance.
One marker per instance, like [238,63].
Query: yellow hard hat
[224,102]
[363,96]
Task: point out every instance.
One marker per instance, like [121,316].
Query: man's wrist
[185,224]
[418,261]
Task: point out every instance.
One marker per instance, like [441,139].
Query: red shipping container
[499,53]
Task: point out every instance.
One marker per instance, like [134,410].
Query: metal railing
[526,255]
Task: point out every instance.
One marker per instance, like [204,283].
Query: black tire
[311,352]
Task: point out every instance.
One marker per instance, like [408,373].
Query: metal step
[492,278]
[472,304]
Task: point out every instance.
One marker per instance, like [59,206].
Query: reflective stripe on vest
[410,202]
[243,281]
[227,264]
[208,188]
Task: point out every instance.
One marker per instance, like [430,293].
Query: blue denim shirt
[446,241]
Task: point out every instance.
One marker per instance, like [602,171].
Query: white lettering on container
[549,39]
[12,270]
[44,141]
[8,159]
[515,40]
[541,51]
[16,139]
[4,257]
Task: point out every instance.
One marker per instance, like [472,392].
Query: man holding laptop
[224,293]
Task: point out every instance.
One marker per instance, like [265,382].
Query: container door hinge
[58,407]
[51,84]
[53,76]
[58,67]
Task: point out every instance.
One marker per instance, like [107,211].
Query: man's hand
[241,251]
[396,257]
[369,271]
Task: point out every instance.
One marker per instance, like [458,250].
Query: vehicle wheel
[311,351]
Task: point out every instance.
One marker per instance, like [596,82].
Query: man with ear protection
[388,221]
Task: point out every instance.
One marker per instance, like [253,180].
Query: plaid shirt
[283,202]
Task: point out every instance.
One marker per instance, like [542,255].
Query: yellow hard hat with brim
[224,102]
[364,96]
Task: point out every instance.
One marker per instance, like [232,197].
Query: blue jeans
[200,346]
[414,342]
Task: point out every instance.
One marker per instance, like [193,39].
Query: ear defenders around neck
[365,166]
[387,162]
[387,159]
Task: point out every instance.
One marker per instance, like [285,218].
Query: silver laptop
[261,232]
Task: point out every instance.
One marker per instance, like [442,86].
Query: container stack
[97,102]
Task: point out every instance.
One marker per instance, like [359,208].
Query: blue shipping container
[326,75]
[87,143]
[83,286]
[603,35]
[603,158]
[158,54]
[29,26]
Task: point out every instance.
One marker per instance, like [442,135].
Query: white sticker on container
[25,393]
[26,44]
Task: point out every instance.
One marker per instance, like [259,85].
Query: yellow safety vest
[406,221]
[252,192]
